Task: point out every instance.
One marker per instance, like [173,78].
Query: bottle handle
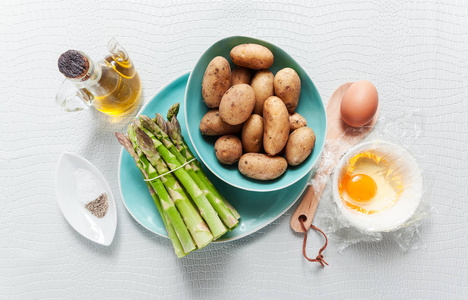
[71,98]
[118,52]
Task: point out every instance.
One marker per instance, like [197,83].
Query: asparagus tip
[169,129]
[125,142]
[146,122]
[136,123]
[120,137]
[144,141]
[173,111]
[176,125]
[144,118]
[161,123]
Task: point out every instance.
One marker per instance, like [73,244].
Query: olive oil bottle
[111,85]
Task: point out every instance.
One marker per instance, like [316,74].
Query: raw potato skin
[288,87]
[228,149]
[262,83]
[296,121]
[252,134]
[276,125]
[216,81]
[212,124]
[252,56]
[300,145]
[237,104]
[240,75]
[261,166]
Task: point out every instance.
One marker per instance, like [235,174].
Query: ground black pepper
[98,206]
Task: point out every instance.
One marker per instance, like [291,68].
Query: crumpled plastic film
[403,130]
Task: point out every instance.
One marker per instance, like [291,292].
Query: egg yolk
[361,188]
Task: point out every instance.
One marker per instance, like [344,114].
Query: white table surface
[416,53]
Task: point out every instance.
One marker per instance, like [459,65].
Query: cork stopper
[73,64]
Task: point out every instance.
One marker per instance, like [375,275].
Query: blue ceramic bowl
[310,107]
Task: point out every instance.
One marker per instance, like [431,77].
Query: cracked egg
[377,186]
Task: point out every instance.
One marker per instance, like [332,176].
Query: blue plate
[310,107]
[257,209]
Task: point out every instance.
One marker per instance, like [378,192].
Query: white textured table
[416,53]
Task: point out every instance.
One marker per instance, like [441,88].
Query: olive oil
[118,90]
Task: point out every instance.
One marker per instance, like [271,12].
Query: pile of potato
[260,108]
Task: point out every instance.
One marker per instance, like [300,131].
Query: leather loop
[319,257]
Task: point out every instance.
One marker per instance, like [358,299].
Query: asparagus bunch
[193,211]
[127,144]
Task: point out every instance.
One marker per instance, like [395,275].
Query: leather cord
[319,257]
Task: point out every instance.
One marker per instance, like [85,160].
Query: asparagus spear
[223,211]
[150,145]
[195,224]
[127,144]
[166,201]
[174,132]
[179,250]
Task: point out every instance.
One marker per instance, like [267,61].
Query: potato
[240,75]
[276,125]
[252,134]
[237,104]
[300,144]
[228,149]
[288,87]
[212,124]
[252,56]
[262,83]
[216,81]
[296,121]
[261,166]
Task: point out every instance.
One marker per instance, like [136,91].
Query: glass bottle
[111,85]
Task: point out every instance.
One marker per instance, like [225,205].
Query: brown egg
[359,103]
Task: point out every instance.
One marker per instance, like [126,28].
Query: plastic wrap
[403,130]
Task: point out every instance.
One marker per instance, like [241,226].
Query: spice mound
[91,193]
[98,206]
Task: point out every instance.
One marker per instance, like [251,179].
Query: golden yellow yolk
[361,188]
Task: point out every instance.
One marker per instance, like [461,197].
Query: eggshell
[359,103]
